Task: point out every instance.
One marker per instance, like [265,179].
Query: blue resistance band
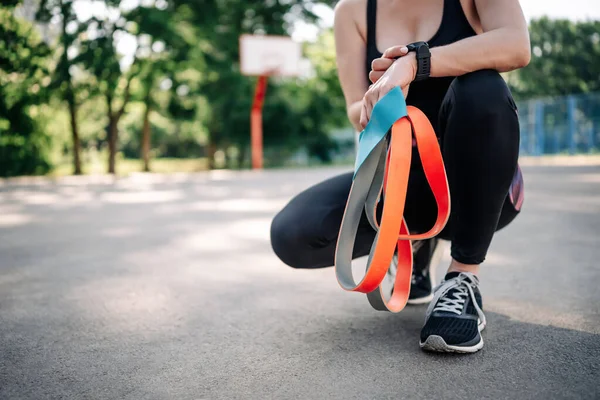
[386,112]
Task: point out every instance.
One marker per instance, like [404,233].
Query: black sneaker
[455,317]
[426,253]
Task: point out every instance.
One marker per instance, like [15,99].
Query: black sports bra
[428,94]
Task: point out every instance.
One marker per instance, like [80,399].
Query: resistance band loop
[381,172]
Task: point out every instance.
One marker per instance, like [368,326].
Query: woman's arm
[350,51]
[503,45]
[353,111]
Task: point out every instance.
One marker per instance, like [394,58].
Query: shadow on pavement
[169,290]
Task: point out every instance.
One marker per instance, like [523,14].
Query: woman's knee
[479,114]
[303,234]
[289,240]
[283,240]
[482,93]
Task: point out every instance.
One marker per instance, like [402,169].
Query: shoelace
[455,303]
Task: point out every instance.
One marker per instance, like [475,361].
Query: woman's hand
[387,74]
[380,65]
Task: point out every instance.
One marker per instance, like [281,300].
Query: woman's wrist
[402,55]
[410,60]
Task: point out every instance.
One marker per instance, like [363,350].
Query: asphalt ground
[166,287]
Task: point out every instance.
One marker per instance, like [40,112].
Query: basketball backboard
[269,55]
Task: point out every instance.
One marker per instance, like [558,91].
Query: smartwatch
[423,59]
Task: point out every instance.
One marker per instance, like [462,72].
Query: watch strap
[423,55]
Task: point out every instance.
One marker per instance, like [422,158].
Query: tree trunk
[112,143]
[75,134]
[69,93]
[113,121]
[146,137]
[211,150]
[241,158]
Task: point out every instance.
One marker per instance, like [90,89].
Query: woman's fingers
[363,115]
[371,98]
[368,102]
[381,64]
[378,68]
[395,52]
[375,75]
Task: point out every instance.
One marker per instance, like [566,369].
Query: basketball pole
[264,56]
[256,131]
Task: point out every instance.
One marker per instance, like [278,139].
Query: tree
[229,92]
[63,82]
[100,57]
[168,47]
[326,104]
[23,85]
[302,112]
[565,59]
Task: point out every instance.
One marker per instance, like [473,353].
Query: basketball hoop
[269,55]
[271,64]
[265,56]
[272,71]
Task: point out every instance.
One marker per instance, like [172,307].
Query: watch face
[416,45]
[421,48]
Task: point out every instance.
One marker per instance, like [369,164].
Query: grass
[98,166]
[127,166]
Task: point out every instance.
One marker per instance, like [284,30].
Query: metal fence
[568,125]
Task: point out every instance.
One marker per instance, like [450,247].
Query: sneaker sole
[436,343]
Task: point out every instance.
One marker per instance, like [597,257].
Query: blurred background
[96,86]
[120,284]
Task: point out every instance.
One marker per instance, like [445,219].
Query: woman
[458,87]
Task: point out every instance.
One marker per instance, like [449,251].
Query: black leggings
[479,132]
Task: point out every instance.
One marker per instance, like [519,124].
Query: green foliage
[23,84]
[185,84]
[10,3]
[173,138]
[289,112]
[99,56]
[565,59]
[47,9]
[302,112]
[171,71]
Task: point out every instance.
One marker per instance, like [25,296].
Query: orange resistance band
[386,170]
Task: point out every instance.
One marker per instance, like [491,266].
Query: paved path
[165,287]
